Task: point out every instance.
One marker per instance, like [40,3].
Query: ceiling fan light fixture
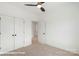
[39,6]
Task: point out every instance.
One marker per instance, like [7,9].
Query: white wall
[20,11]
[62,30]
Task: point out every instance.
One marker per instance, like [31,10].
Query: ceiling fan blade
[40,3]
[42,9]
[30,5]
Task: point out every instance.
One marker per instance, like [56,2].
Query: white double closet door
[12,33]
[7,40]
[19,33]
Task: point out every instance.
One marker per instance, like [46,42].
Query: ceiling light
[39,6]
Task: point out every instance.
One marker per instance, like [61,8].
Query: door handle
[12,34]
[15,34]
[43,33]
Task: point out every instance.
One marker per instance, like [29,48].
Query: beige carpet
[38,49]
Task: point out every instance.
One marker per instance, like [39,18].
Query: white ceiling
[32,9]
[49,7]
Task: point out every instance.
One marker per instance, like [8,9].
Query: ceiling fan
[39,5]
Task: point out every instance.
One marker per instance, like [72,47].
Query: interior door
[19,33]
[34,28]
[43,31]
[7,29]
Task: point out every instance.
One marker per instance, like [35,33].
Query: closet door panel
[19,33]
[7,29]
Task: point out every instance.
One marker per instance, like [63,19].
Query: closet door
[7,30]
[19,33]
